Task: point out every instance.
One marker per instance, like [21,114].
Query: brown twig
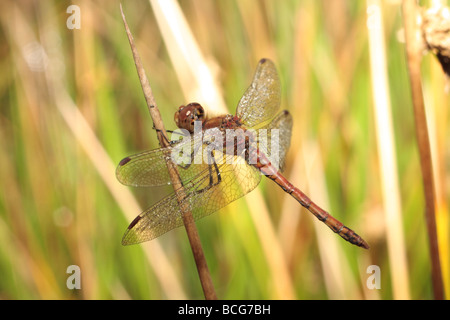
[414,54]
[194,239]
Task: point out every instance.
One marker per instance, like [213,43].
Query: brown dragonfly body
[334,224]
[212,185]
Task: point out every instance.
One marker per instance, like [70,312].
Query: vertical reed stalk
[386,153]
[414,54]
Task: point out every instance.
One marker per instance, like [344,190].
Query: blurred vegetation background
[72,108]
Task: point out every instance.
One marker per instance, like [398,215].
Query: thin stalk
[191,229]
[413,53]
[398,261]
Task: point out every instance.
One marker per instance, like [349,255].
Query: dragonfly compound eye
[177,116]
[186,116]
[198,113]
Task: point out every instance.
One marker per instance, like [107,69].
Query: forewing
[261,101]
[149,168]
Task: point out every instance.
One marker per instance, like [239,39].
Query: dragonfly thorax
[186,116]
[223,122]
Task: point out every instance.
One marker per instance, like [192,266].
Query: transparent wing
[210,191]
[149,168]
[279,132]
[261,101]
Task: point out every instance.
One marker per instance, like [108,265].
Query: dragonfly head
[188,114]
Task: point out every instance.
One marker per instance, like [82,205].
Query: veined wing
[262,99]
[149,168]
[278,142]
[208,192]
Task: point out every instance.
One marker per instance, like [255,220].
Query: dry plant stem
[191,230]
[413,52]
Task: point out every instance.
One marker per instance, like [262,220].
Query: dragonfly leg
[193,153]
[211,175]
[170,142]
[163,135]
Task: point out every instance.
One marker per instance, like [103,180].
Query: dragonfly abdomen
[334,224]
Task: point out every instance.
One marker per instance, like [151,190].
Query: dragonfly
[213,183]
